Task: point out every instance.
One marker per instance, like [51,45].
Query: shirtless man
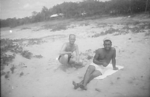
[102,58]
[67,56]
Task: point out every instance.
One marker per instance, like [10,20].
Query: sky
[23,8]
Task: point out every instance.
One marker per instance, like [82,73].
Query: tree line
[85,8]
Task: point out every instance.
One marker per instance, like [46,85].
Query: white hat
[106,38]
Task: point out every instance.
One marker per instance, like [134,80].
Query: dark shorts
[69,57]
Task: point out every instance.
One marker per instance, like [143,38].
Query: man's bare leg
[74,63]
[93,75]
[87,78]
[89,71]
[64,59]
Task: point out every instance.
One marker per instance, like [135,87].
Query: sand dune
[39,74]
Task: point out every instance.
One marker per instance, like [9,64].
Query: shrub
[26,54]
[111,31]
[38,56]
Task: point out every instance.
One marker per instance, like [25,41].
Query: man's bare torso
[104,55]
[70,48]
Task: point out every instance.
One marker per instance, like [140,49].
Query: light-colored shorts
[100,68]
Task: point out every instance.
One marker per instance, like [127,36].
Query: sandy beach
[35,72]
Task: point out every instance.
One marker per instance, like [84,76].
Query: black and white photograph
[75,48]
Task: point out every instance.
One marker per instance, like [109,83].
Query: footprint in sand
[12,69]
[132,80]
[98,90]
[7,75]
[112,83]
[118,78]
[21,74]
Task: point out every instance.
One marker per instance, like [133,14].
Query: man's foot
[83,87]
[76,85]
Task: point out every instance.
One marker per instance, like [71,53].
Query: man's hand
[115,68]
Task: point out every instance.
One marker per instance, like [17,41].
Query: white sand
[43,77]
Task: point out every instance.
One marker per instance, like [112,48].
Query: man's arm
[62,51]
[96,61]
[114,60]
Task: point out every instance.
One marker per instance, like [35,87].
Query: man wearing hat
[102,58]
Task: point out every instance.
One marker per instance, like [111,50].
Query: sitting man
[102,58]
[67,56]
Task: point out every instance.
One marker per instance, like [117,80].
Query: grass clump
[56,26]
[26,54]
[25,28]
[59,27]
[38,56]
[111,31]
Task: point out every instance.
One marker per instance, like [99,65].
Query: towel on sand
[106,71]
